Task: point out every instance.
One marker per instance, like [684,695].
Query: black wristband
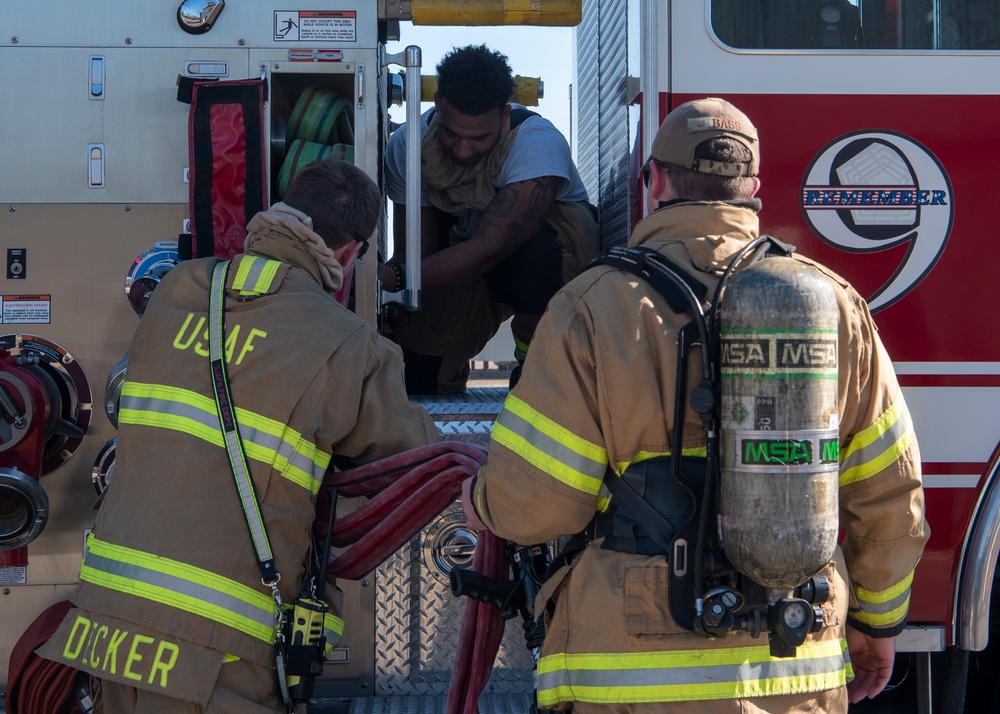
[400,276]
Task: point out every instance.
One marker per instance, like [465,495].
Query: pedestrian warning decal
[315,25]
[27,309]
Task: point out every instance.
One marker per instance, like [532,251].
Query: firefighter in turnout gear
[171,611]
[596,402]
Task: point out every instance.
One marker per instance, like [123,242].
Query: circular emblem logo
[873,190]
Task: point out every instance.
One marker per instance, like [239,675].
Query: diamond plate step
[488,704]
[465,417]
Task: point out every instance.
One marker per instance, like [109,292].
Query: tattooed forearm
[519,210]
[516,213]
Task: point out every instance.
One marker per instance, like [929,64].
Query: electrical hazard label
[26,309]
[315,25]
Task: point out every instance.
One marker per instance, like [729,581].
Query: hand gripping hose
[482,630]
[410,489]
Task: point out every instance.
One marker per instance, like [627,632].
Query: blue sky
[545,52]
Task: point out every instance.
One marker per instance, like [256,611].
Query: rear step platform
[416,619]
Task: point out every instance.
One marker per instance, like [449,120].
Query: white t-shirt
[539,149]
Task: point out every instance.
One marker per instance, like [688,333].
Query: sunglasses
[645,169]
[363,240]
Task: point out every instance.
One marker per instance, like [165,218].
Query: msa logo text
[807,353]
[746,353]
[779,353]
[789,452]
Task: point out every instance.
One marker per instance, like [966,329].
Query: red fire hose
[410,490]
[36,685]
[482,630]
[412,487]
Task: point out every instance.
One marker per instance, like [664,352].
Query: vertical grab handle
[409,295]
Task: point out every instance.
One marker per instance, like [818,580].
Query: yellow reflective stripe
[265,440]
[885,607]
[886,619]
[179,585]
[242,271]
[255,275]
[550,447]
[267,275]
[175,422]
[686,675]
[701,451]
[693,658]
[890,593]
[878,446]
[520,350]
[333,630]
[318,460]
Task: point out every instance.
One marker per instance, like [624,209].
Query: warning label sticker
[15,575]
[26,309]
[315,25]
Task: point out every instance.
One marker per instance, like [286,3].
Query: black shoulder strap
[640,512]
[650,266]
[519,115]
[776,247]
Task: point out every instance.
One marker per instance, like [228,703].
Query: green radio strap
[231,431]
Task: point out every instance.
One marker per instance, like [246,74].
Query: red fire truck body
[877,122]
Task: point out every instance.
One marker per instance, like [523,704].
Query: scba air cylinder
[779,419]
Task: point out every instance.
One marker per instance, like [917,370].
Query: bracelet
[400,276]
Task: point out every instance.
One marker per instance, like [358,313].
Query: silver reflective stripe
[132,405]
[171,407]
[283,449]
[885,449]
[250,283]
[262,615]
[881,608]
[248,498]
[886,607]
[725,680]
[216,308]
[545,443]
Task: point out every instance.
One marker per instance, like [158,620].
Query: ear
[660,188]
[505,115]
[346,253]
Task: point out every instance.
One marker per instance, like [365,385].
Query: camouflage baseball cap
[696,121]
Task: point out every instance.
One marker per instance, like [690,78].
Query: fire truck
[875,118]
[876,122]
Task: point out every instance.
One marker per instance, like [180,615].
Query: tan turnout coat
[170,588]
[598,389]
